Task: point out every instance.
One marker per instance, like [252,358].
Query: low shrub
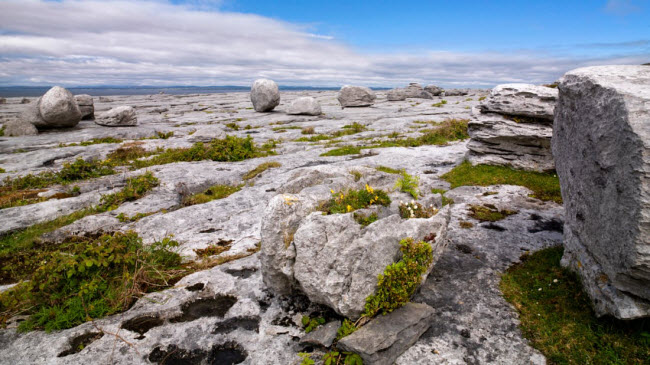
[351,200]
[408,184]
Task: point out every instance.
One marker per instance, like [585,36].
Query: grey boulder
[434,90]
[456,92]
[602,151]
[385,338]
[414,90]
[265,95]
[58,109]
[86,106]
[19,127]
[322,336]
[351,96]
[121,116]
[305,105]
[522,100]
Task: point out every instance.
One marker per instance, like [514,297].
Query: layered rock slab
[513,127]
[601,142]
[305,105]
[121,116]
[86,106]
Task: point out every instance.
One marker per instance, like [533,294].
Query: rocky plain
[282,258]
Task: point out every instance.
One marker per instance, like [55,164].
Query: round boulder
[58,109]
[305,105]
[265,95]
[122,116]
[356,96]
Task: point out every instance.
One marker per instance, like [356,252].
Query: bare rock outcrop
[86,106]
[57,108]
[601,144]
[121,116]
[513,127]
[18,127]
[414,90]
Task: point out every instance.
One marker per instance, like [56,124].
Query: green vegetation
[213,249]
[346,358]
[308,130]
[440,104]
[489,213]
[342,151]
[408,184]
[93,141]
[365,220]
[127,153]
[71,172]
[233,126]
[163,135]
[351,200]
[278,129]
[18,249]
[311,324]
[2,171]
[2,131]
[347,328]
[124,218]
[482,98]
[260,169]
[445,200]
[448,131]
[556,316]
[213,193]
[306,358]
[469,99]
[88,278]
[388,170]
[357,175]
[229,149]
[545,186]
[314,138]
[416,210]
[400,280]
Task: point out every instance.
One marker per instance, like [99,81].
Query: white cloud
[95,42]
[621,7]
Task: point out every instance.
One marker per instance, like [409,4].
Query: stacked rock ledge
[601,144]
[513,127]
[121,116]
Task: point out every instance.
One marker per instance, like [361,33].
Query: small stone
[322,336]
[386,337]
[265,95]
[121,116]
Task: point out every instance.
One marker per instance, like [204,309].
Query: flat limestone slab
[386,337]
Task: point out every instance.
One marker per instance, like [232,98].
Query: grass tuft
[213,193]
[489,213]
[545,186]
[342,151]
[260,169]
[556,316]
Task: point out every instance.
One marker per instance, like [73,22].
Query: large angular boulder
[332,259]
[18,127]
[385,338]
[121,116]
[265,95]
[498,140]
[522,100]
[55,109]
[352,96]
[601,143]
[414,90]
[86,106]
[305,105]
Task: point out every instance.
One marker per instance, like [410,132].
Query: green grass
[93,141]
[314,138]
[545,186]
[558,319]
[260,169]
[351,200]
[388,170]
[440,104]
[342,151]
[365,220]
[70,172]
[213,193]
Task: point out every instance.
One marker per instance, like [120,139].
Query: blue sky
[324,43]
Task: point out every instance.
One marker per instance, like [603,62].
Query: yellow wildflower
[332,191]
[349,208]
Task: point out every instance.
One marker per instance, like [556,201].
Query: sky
[479,43]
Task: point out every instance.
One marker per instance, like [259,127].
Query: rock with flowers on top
[331,258]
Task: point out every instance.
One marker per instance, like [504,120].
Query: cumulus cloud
[95,42]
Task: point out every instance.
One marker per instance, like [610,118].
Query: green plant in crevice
[306,358]
[445,200]
[134,189]
[364,220]
[489,213]
[440,104]
[408,184]
[260,169]
[414,209]
[351,200]
[212,193]
[311,324]
[342,151]
[70,172]
[400,280]
[388,170]
[357,175]
[347,328]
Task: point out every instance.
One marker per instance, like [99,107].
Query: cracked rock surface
[228,313]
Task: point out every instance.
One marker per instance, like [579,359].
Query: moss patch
[260,169]
[213,193]
[545,186]
[445,200]
[342,151]
[489,213]
[365,220]
[556,316]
